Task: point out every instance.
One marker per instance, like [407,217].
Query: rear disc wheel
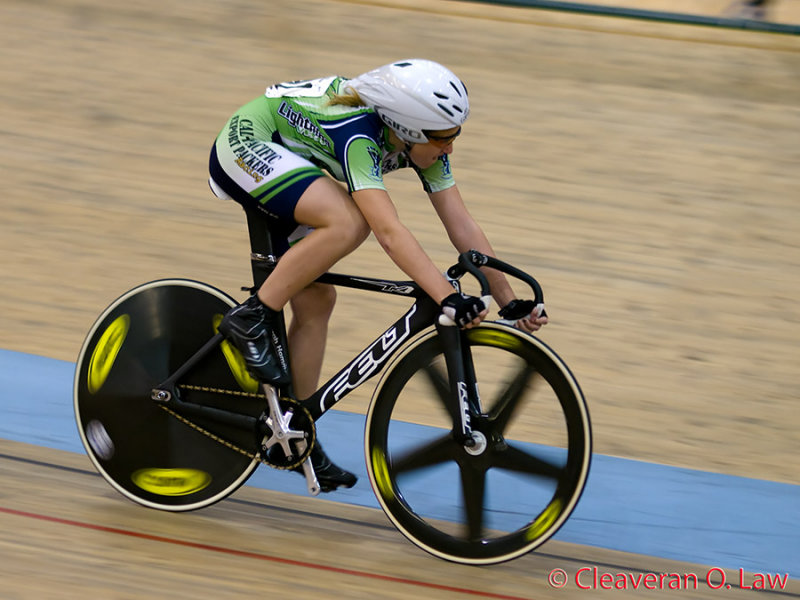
[146,453]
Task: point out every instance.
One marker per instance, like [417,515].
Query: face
[439,143]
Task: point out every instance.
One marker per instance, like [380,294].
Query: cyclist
[271,155]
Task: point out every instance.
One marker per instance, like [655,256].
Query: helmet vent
[402,64]
[445,109]
[440,95]
[455,87]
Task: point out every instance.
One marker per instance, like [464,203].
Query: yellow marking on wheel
[171,482]
[381,470]
[492,337]
[545,520]
[236,362]
[105,352]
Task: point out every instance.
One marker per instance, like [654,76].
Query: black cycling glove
[462,309]
[519,309]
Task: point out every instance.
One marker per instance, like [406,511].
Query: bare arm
[399,243]
[465,234]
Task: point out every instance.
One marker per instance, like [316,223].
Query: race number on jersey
[311,88]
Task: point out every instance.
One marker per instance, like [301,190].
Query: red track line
[255,555]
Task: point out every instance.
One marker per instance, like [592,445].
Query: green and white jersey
[349,143]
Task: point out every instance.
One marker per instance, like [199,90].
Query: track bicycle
[477,441]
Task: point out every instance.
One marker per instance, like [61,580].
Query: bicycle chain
[232,446]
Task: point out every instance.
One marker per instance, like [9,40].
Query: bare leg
[308,333]
[311,312]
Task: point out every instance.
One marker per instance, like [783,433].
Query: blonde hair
[349,98]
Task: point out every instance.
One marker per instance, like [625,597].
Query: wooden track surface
[647,174]
[64,533]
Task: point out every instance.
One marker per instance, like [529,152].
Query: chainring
[301,421]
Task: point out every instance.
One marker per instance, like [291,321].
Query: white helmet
[413,96]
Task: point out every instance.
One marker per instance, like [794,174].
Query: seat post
[262,260]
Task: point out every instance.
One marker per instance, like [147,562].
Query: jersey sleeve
[437,177]
[361,164]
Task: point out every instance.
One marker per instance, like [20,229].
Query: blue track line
[645,508]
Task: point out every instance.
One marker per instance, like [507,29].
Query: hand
[466,311]
[527,316]
[531,323]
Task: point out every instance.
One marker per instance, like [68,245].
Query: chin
[423,162]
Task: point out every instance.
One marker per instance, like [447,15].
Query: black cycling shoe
[329,475]
[249,328]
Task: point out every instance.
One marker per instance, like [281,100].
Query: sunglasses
[442,141]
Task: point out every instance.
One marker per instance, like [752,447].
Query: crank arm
[308,471]
[279,422]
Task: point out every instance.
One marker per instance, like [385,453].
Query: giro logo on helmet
[408,133]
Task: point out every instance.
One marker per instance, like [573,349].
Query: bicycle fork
[464,398]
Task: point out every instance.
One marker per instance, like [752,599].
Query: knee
[350,225]
[356,230]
